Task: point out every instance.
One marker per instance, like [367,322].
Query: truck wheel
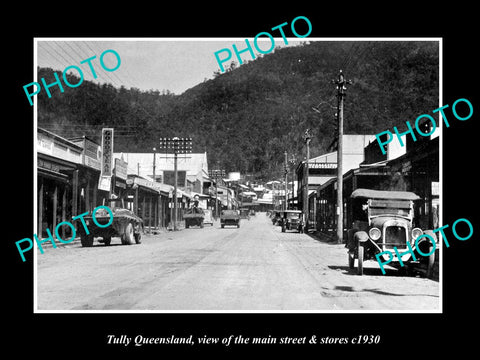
[223,226]
[107,240]
[129,239]
[138,238]
[238,225]
[360,259]
[86,240]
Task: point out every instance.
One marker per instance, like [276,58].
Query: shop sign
[120,184]
[121,169]
[406,167]
[107,151]
[45,144]
[91,156]
[47,165]
[318,165]
[104,183]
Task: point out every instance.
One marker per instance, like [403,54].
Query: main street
[255,267]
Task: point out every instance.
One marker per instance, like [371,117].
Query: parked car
[230,218]
[384,220]
[208,217]
[125,224]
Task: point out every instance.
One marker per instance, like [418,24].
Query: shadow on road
[366,271]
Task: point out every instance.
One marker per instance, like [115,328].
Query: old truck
[382,221]
[125,224]
[230,217]
[194,217]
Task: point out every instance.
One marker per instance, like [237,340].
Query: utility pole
[307,137]
[216,175]
[154,161]
[292,165]
[177,146]
[285,207]
[341,92]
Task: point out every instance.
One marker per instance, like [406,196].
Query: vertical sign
[104,182]
[107,151]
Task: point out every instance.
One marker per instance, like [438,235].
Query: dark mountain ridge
[248,116]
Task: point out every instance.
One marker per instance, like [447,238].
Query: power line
[59,54]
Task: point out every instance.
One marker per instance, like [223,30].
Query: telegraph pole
[286,181]
[292,164]
[341,92]
[307,137]
[154,153]
[217,174]
[177,146]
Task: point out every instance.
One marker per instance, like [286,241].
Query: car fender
[360,237]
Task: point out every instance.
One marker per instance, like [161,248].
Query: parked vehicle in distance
[291,220]
[244,213]
[252,212]
[194,217]
[208,217]
[275,216]
[125,224]
[384,220]
[230,218]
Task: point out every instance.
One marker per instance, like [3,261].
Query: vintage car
[125,224]
[230,217]
[383,220]
[291,220]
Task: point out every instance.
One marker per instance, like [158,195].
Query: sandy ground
[255,267]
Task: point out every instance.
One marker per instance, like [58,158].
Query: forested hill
[248,116]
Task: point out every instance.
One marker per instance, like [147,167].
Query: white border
[306,39]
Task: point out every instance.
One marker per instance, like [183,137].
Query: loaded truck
[194,217]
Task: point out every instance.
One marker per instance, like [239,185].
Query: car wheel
[360,260]
[223,226]
[129,239]
[86,240]
[107,240]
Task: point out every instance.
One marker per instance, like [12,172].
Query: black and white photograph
[298,181]
[217,190]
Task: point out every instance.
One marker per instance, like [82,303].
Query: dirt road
[255,267]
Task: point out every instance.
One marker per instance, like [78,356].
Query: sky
[147,64]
